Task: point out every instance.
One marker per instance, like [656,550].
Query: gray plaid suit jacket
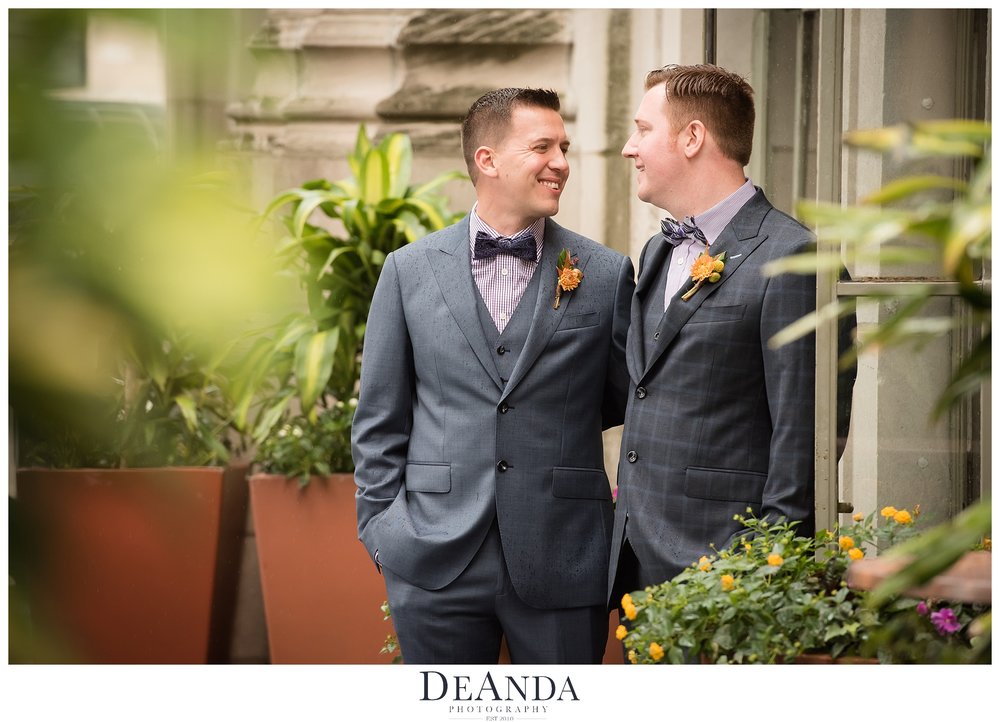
[717,421]
[434,421]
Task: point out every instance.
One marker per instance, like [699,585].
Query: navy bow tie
[522,246]
[676,232]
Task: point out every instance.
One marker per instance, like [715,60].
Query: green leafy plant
[301,447]
[924,219]
[338,235]
[772,596]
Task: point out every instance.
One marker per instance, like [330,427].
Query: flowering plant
[773,596]
[706,267]
[569,275]
[301,447]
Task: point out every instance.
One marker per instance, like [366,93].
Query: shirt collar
[713,221]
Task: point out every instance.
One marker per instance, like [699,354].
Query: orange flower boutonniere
[705,268]
[569,275]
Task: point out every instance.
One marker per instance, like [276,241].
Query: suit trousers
[463,623]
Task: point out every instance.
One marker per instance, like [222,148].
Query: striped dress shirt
[712,222]
[501,280]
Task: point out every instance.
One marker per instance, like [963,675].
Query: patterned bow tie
[522,246]
[676,232]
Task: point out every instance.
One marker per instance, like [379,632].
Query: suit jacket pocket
[715,314]
[724,484]
[580,320]
[571,483]
[435,478]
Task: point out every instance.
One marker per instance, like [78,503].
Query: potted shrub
[129,521]
[129,512]
[774,597]
[321,591]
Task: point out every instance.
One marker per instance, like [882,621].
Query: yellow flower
[656,652]
[775,560]
[620,632]
[727,582]
[888,511]
[632,656]
[902,517]
[858,517]
[629,610]
[569,278]
[627,600]
[856,554]
[747,545]
[846,542]
[987,544]
[704,564]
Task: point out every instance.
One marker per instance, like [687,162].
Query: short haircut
[722,100]
[488,119]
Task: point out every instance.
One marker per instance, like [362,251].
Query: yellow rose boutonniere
[569,275]
[705,268]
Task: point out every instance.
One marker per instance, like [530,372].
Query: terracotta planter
[321,591]
[127,566]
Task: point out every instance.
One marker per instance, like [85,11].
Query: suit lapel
[657,250]
[546,319]
[738,240]
[451,262]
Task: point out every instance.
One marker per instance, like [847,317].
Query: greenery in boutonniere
[706,267]
[569,275]
[773,596]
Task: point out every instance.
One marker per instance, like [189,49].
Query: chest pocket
[580,320]
[716,314]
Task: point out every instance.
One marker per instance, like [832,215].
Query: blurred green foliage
[130,278]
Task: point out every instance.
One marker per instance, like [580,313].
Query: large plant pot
[126,566]
[322,592]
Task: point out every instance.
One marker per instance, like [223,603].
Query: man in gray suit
[493,360]
[717,420]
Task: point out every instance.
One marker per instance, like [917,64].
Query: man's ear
[693,138]
[484,158]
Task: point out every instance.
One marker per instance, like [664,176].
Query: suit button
[504,408]
[501,350]
[632,457]
[656,335]
[501,466]
[640,393]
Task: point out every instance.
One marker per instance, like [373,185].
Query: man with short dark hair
[493,360]
[717,420]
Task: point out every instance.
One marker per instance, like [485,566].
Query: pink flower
[922,609]
[945,622]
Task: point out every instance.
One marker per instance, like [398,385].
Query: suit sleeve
[789,377]
[617,383]
[380,433]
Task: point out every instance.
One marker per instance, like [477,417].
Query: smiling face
[655,148]
[528,170]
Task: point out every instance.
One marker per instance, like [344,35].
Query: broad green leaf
[421,208]
[294,331]
[314,363]
[398,153]
[189,410]
[361,147]
[334,255]
[804,263]
[270,417]
[973,130]
[881,139]
[904,187]
[810,322]
[426,189]
[374,179]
